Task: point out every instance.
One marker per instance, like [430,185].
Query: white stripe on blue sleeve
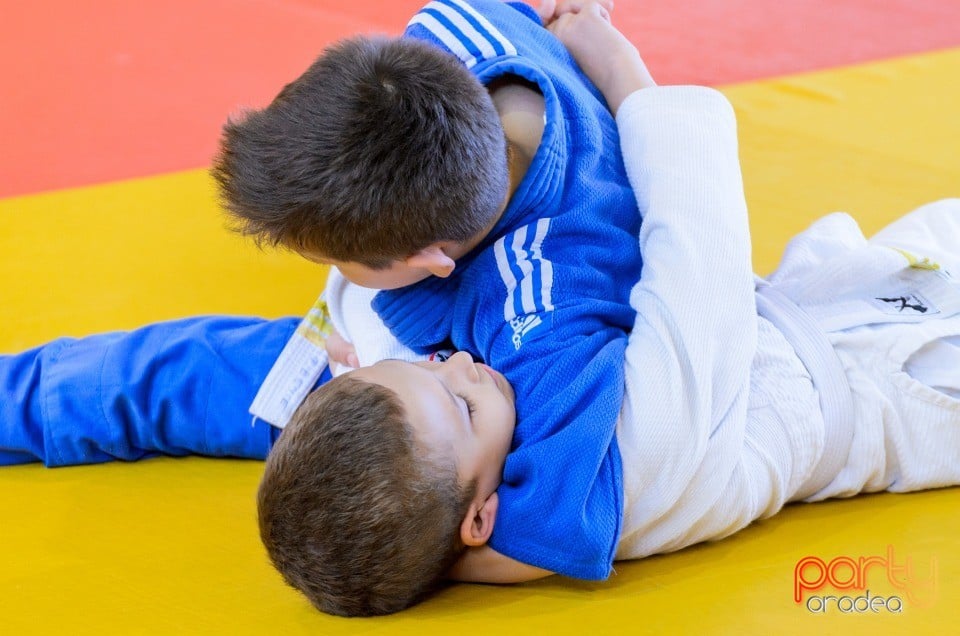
[509,280]
[546,267]
[524,266]
[448,39]
[463,31]
[526,274]
[496,38]
[466,29]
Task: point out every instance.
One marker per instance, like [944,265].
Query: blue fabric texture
[174,388]
[544,299]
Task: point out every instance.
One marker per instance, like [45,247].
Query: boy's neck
[522,109]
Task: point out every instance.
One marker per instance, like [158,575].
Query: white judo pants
[890,306]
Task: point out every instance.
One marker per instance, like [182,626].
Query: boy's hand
[550,10]
[340,352]
[606,56]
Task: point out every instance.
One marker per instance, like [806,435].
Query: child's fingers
[598,9]
[340,351]
[552,10]
[571,27]
[576,6]
[546,10]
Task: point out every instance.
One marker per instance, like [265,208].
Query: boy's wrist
[625,75]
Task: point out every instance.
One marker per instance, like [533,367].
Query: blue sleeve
[527,10]
[174,388]
[476,30]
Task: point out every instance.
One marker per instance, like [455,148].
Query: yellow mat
[168,546]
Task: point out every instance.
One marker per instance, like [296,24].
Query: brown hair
[352,511]
[380,149]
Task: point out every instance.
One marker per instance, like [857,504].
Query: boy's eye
[471,406]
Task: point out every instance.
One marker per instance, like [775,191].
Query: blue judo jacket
[545,298]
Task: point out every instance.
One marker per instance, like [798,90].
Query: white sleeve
[688,359]
[357,322]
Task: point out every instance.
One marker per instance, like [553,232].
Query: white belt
[818,356]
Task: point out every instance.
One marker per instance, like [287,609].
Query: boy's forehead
[422,394]
[403,378]
[388,368]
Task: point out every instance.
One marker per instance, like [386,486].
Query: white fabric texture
[697,464]
[894,323]
[357,323]
[931,231]
[707,444]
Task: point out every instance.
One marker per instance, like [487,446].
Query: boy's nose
[462,363]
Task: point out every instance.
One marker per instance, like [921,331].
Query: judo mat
[109,114]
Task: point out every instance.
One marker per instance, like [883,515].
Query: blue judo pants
[175,388]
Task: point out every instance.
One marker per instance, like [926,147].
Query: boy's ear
[433,259]
[477,525]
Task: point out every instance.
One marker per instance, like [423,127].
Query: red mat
[105,90]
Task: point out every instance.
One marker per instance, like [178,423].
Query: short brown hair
[380,149]
[352,511]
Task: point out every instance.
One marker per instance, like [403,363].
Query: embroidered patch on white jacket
[907,303]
